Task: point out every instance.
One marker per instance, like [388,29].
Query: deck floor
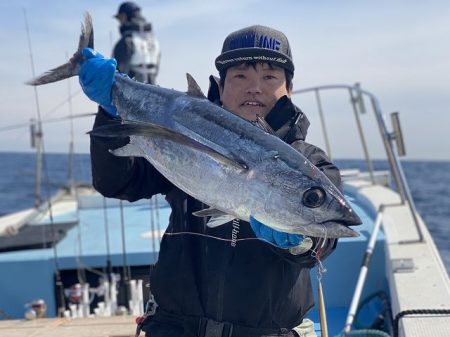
[117,326]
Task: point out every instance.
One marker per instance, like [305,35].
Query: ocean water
[429,182]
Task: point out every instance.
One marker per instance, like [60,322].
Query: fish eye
[314,197]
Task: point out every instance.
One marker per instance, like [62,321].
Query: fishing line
[316,253]
[216,237]
[212,236]
[319,244]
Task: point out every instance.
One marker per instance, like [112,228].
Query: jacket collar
[288,121]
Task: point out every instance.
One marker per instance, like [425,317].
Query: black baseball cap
[129,8]
[256,44]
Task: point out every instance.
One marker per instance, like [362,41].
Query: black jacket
[252,283]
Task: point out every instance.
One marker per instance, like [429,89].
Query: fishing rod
[108,252]
[71,142]
[364,269]
[157,217]
[126,271]
[152,225]
[38,141]
[81,270]
[63,102]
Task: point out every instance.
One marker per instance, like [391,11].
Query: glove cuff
[110,110]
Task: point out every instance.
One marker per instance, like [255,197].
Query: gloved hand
[279,239]
[96,79]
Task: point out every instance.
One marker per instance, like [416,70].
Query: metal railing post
[361,136]
[397,170]
[322,122]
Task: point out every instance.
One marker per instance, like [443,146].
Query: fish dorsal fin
[193,87]
[261,123]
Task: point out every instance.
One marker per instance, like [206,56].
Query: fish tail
[72,67]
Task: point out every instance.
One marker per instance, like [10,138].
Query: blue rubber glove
[96,79]
[279,239]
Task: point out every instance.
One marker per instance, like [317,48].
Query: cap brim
[254,54]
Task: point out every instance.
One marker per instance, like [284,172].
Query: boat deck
[116,326]
[85,245]
[418,282]
[390,257]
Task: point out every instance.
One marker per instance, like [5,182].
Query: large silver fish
[237,168]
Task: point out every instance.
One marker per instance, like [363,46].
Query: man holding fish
[236,257]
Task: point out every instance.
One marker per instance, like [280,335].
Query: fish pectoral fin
[193,87]
[216,221]
[209,212]
[217,216]
[112,129]
[146,129]
[262,124]
[129,150]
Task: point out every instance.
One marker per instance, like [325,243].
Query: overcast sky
[398,50]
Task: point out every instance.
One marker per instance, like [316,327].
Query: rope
[404,313]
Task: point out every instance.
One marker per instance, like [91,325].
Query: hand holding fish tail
[96,79]
[274,237]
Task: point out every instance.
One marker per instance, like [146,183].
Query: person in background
[137,52]
[203,284]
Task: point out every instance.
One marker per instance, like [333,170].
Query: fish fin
[261,123]
[193,87]
[217,221]
[209,212]
[129,150]
[132,128]
[72,67]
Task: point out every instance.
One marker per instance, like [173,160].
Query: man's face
[253,90]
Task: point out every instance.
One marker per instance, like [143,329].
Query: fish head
[306,202]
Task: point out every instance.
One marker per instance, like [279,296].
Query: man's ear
[289,90]
[220,91]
